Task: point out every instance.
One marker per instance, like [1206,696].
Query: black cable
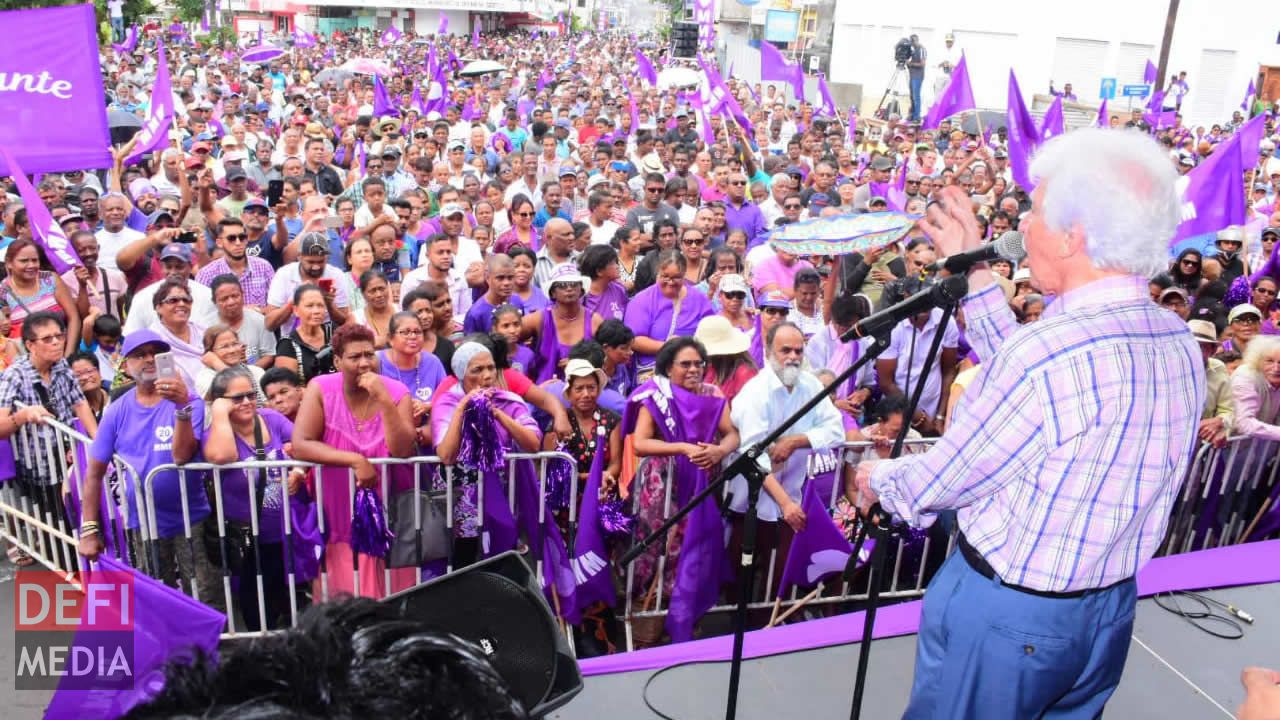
[1203,616]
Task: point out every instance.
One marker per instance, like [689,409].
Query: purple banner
[52,110]
[1103,121]
[390,36]
[443,27]
[644,68]
[1053,124]
[824,94]
[154,135]
[955,99]
[1023,137]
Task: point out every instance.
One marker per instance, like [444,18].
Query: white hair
[1259,349]
[1119,188]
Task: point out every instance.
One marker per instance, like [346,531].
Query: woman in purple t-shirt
[606,297]
[419,371]
[665,310]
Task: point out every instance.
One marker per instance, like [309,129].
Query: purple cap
[182,251]
[138,338]
[775,299]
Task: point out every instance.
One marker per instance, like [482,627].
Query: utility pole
[1163,68]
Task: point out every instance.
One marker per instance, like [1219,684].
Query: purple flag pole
[475,36]
[381,103]
[154,134]
[1214,197]
[1023,137]
[558,580]
[957,98]
[824,93]
[644,68]
[1054,123]
[853,124]
[161,623]
[1248,93]
[130,42]
[44,229]
[1103,120]
[820,550]
[590,554]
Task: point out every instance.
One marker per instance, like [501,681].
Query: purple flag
[443,27]
[51,115]
[957,98]
[204,20]
[1023,136]
[381,102]
[1214,196]
[259,34]
[162,625]
[360,156]
[1149,75]
[390,36]
[590,554]
[546,543]
[130,42]
[523,108]
[1248,93]
[820,550]
[471,109]
[1053,122]
[46,232]
[704,119]
[416,103]
[1103,120]
[304,40]
[824,94]
[644,68]
[894,193]
[543,78]
[775,67]
[154,134]
[853,124]
[634,111]
[475,36]
[719,101]
[215,119]
[704,13]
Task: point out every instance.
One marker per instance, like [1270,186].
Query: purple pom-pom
[614,518]
[1239,293]
[558,483]
[369,532]
[480,447]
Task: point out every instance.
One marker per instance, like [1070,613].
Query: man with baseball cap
[311,268]
[1176,300]
[175,261]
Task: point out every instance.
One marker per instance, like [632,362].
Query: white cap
[733,283]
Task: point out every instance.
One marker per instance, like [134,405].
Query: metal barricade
[322,588]
[1224,495]
[908,579]
[50,461]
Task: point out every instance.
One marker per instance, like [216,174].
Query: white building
[1220,44]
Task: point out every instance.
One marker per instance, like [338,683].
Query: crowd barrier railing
[325,585]
[40,498]
[647,607]
[1227,490]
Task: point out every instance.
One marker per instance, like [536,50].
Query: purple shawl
[682,416]
[546,364]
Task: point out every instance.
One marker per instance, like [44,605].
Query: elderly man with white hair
[780,186]
[1062,458]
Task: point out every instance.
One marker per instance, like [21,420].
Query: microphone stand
[748,467]
[877,523]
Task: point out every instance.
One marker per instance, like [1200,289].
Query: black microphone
[947,290]
[1008,246]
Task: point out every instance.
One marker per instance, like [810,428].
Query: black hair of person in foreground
[351,658]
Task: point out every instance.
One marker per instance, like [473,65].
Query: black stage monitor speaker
[498,605]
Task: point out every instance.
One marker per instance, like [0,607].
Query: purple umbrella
[261,54]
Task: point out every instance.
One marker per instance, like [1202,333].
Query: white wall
[427,20]
[1220,44]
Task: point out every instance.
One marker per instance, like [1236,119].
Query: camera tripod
[889,87]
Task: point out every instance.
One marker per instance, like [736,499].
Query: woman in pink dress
[345,419]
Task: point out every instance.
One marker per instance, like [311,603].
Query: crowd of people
[559,246]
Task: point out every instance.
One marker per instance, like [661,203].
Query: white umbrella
[481,67]
[678,77]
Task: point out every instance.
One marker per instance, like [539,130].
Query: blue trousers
[117,29]
[916,83]
[986,651]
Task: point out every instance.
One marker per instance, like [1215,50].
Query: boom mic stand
[947,293]
[876,523]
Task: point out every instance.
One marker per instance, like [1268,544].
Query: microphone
[1009,246]
[947,290]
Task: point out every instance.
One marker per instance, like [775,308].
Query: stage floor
[1174,671]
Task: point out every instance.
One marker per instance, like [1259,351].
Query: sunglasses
[692,242]
[774,311]
[243,397]
[235,237]
[791,206]
[176,301]
[735,296]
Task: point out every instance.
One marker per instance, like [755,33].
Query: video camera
[902,52]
